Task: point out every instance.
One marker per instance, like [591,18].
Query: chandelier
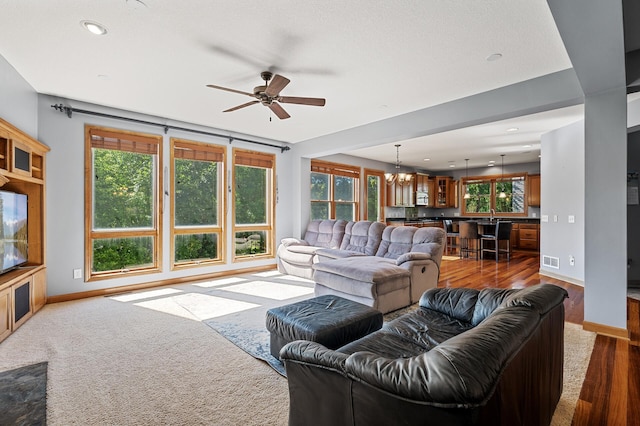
[397,177]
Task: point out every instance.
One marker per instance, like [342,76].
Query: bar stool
[452,237]
[503,233]
[469,238]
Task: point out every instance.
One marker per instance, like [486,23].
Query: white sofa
[296,256]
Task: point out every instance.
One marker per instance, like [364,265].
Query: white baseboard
[561,277]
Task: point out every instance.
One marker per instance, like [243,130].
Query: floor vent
[551,262]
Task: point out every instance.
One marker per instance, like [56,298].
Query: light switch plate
[572,219]
[544,218]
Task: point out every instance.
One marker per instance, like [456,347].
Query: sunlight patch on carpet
[267,274]
[221,282]
[196,306]
[130,297]
[270,290]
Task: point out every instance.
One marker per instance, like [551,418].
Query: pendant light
[502,193]
[466,183]
[400,177]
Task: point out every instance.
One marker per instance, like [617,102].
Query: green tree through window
[197,185]
[123,177]
[253,174]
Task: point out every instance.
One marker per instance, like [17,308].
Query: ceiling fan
[269,95]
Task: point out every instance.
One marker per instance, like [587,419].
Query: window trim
[245,157]
[493,179]
[383,188]
[131,142]
[338,169]
[205,152]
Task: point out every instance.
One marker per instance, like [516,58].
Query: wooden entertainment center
[23,290]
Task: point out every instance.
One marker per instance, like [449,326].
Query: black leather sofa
[463,357]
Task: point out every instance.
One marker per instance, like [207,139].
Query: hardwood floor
[611,391]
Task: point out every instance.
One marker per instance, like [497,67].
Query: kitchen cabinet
[424,189]
[528,237]
[533,190]
[401,194]
[446,192]
[442,184]
[453,194]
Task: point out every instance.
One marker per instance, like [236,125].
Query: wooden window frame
[244,157]
[383,187]
[493,180]
[344,170]
[122,140]
[193,150]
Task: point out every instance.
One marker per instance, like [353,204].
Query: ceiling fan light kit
[268,95]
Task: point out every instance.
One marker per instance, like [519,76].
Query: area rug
[23,395]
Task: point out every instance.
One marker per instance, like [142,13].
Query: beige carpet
[578,345]
[142,358]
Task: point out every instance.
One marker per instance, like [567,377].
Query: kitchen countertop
[519,219]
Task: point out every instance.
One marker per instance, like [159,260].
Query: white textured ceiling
[370,59]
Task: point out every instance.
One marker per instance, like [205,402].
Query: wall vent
[551,262]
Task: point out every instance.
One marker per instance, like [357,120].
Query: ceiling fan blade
[241,106]
[301,101]
[278,110]
[276,85]
[230,90]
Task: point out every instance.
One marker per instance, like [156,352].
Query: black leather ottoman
[329,320]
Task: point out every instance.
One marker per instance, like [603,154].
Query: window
[122,202]
[334,191]
[485,195]
[253,180]
[375,185]
[197,173]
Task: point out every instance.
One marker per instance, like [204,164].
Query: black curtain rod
[69,110]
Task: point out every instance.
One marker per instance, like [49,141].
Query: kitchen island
[525,233]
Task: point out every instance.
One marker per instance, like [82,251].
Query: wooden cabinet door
[442,191]
[533,190]
[39,289]
[453,194]
[391,194]
[5,313]
[431,183]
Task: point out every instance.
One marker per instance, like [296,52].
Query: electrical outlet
[572,219]
[77,273]
[572,261]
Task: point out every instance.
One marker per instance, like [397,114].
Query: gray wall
[19,104]
[65,195]
[633,211]
[562,194]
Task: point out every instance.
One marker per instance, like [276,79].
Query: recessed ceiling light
[94,27]
[426,159]
[494,57]
[526,146]
[512,129]
[492,161]
[490,165]
[452,165]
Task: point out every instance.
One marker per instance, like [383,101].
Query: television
[13,233]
